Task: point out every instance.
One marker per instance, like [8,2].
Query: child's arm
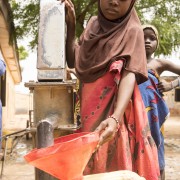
[167,65]
[70,34]
[110,125]
[165,86]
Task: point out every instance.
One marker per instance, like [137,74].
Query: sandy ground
[172,148]
[15,167]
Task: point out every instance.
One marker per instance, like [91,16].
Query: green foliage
[163,14]
[84,10]
[23,54]
[26,17]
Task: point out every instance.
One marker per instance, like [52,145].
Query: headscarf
[105,41]
[154,29]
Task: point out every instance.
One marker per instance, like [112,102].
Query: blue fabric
[2,71]
[0,122]
[2,67]
[157,111]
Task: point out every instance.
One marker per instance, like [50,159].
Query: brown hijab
[105,41]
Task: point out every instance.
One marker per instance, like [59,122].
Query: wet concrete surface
[16,168]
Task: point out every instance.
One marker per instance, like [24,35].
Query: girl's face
[151,41]
[114,9]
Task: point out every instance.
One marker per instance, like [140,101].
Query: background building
[169,97]
[9,52]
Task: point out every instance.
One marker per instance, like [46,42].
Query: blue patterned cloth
[157,112]
[2,71]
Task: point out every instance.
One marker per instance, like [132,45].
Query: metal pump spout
[45,129]
[45,138]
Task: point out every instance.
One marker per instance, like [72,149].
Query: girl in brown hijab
[110,61]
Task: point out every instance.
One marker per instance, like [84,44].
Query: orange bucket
[67,158]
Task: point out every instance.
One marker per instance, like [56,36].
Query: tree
[26,18]
[23,54]
[163,14]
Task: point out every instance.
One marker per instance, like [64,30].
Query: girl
[110,61]
[152,89]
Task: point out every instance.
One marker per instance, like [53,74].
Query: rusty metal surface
[51,83]
[54,100]
[51,41]
[51,74]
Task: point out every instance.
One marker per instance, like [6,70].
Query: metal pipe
[45,138]
[14,133]
[4,155]
[5,138]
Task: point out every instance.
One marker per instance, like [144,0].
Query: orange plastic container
[67,158]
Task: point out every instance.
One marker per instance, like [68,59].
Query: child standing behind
[151,91]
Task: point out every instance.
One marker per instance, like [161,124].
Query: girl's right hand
[107,130]
[164,86]
[70,12]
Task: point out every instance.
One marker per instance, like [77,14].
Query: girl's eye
[153,38]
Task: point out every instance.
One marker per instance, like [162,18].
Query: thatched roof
[8,44]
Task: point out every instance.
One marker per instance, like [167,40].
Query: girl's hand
[70,12]
[164,86]
[70,32]
[71,71]
[107,130]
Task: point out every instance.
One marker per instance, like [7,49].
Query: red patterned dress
[133,147]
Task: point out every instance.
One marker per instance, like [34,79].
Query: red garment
[133,147]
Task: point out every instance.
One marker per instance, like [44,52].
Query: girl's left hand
[107,130]
[70,12]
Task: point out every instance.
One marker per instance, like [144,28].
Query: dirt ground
[15,167]
[172,148]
